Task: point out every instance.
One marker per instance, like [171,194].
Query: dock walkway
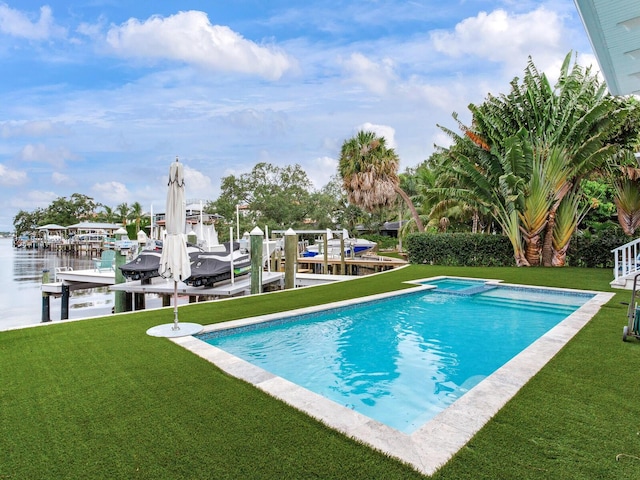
[364,264]
[161,286]
[72,280]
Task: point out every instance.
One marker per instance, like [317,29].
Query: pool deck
[435,442]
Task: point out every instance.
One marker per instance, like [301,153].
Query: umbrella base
[168,330]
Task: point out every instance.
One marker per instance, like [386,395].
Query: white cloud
[43,154]
[190,37]
[260,122]
[506,38]
[321,170]
[36,128]
[18,24]
[61,179]
[197,185]
[375,76]
[441,139]
[33,199]
[10,177]
[440,96]
[92,30]
[111,192]
[389,133]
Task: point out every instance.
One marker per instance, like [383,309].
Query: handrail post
[625,259]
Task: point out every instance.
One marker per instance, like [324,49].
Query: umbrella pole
[175,306]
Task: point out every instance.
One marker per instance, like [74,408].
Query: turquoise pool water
[455,284]
[403,359]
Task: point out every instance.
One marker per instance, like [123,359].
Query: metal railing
[626,259]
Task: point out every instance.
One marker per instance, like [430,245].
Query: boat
[145,265]
[216,266]
[353,247]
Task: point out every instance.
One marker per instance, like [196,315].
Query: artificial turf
[101,399]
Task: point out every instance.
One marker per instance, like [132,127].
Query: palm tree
[135,213]
[369,172]
[123,212]
[107,214]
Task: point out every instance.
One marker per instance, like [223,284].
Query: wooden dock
[83,248]
[72,280]
[363,265]
[160,286]
[78,280]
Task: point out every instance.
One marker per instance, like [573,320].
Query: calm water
[21,296]
[404,359]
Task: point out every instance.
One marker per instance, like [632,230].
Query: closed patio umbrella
[174,262]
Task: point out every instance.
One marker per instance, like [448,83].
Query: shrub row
[593,251]
[471,250]
[460,249]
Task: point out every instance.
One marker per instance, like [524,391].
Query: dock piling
[64,303]
[46,299]
[121,302]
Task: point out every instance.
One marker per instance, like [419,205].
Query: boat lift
[632,329]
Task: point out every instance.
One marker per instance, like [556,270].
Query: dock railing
[58,270]
[626,259]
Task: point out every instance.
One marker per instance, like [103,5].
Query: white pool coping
[435,442]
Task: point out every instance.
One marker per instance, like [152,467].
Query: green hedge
[475,250]
[460,249]
[593,251]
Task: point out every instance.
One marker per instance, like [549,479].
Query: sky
[98,97]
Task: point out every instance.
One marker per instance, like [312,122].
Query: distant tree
[281,194]
[62,211]
[107,214]
[68,211]
[135,214]
[279,197]
[122,211]
[233,193]
[369,171]
[27,222]
[599,193]
[332,208]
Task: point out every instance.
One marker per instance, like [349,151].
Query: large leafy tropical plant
[574,129]
[533,217]
[627,202]
[568,215]
[493,180]
[627,193]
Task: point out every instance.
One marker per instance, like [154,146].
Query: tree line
[75,209]
[538,164]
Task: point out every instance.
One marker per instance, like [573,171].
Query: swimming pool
[323,350]
[403,359]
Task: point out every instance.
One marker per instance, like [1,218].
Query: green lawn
[101,399]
